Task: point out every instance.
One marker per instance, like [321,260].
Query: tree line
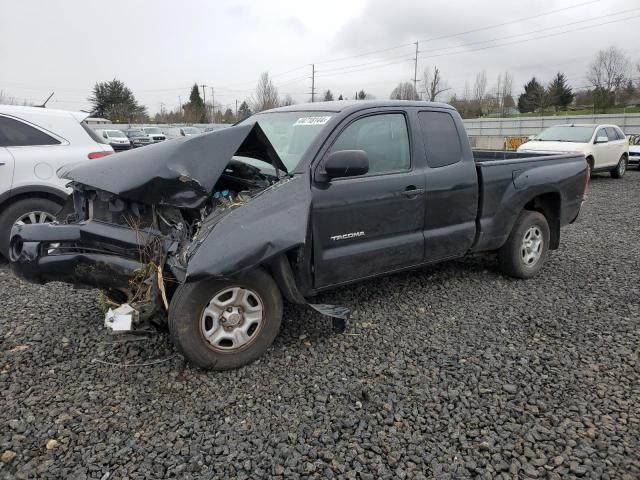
[610,77]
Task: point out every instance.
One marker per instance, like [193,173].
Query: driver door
[370,224]
[603,151]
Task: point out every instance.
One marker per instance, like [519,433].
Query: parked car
[634,150]
[177,132]
[34,143]
[138,137]
[116,138]
[605,146]
[292,202]
[189,131]
[155,134]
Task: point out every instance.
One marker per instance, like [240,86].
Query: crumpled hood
[180,172]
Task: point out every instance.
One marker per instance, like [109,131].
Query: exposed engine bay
[164,235]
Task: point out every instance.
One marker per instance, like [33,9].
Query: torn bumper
[90,254]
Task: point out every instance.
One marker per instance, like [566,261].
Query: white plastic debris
[121,319]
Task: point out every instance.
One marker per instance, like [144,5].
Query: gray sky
[160,48]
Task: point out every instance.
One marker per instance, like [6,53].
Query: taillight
[94,155]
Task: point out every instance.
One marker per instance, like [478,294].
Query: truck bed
[509,178]
[480,156]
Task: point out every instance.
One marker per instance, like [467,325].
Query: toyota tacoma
[207,234]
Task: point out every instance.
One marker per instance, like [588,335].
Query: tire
[192,313]
[19,209]
[620,169]
[513,259]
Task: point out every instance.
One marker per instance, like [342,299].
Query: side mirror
[531,137]
[345,163]
[601,139]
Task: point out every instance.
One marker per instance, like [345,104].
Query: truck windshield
[290,133]
[153,130]
[566,133]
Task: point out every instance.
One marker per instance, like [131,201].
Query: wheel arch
[23,193]
[548,204]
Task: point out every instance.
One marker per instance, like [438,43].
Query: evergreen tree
[114,100]
[194,110]
[361,95]
[228,116]
[532,97]
[340,97]
[560,93]
[244,111]
[328,96]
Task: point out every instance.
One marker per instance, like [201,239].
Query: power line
[503,24]
[535,31]
[458,34]
[531,39]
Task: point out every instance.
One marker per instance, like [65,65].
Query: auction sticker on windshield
[312,121]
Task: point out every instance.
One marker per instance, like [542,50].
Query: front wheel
[224,324]
[526,249]
[621,168]
[25,212]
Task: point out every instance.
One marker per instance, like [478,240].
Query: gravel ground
[450,372]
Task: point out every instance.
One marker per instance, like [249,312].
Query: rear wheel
[526,249]
[25,212]
[224,324]
[621,168]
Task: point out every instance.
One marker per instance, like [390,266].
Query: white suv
[34,143]
[605,146]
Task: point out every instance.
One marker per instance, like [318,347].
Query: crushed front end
[132,234]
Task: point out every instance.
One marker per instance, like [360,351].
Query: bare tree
[266,95]
[480,87]
[607,73]
[434,85]
[404,91]
[287,100]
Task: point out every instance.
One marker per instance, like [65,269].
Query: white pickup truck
[605,147]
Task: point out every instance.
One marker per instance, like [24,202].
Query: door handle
[2,163]
[412,191]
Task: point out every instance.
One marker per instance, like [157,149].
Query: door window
[383,137]
[18,134]
[611,133]
[441,138]
[602,133]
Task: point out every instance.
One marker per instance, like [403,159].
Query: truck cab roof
[355,105]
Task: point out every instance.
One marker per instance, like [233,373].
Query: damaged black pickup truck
[207,234]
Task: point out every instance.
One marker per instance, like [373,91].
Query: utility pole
[204,100]
[313,82]
[213,106]
[415,69]
[236,109]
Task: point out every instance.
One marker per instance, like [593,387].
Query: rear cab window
[441,138]
[14,133]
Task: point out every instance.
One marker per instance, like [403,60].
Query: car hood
[180,172]
[541,146]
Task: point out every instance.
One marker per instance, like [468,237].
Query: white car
[34,143]
[605,146]
[116,138]
[155,134]
[634,150]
